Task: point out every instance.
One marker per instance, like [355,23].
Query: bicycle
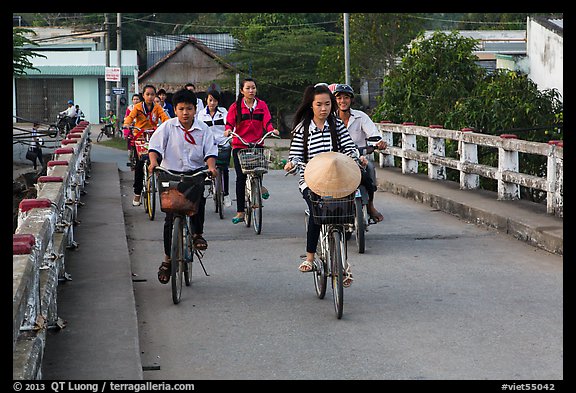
[63,124]
[107,130]
[217,190]
[149,187]
[182,250]
[362,219]
[335,216]
[254,162]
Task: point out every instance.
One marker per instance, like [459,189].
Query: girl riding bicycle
[215,118]
[317,129]
[250,118]
[147,116]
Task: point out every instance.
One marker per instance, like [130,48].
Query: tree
[438,82]
[433,75]
[281,52]
[20,55]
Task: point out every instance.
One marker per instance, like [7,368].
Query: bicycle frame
[253,185]
[182,250]
[331,257]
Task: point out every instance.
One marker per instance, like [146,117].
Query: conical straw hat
[332,174]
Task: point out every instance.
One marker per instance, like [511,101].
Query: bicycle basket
[326,210]
[181,197]
[255,158]
[141,148]
[224,154]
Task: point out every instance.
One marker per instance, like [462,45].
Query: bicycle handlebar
[293,170]
[252,144]
[205,172]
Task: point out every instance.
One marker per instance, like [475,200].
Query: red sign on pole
[112,74]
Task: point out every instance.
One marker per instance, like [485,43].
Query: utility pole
[107,44]
[346,49]
[119,57]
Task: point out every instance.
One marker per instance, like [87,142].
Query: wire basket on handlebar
[327,210]
[254,158]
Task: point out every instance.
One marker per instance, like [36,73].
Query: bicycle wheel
[248,202]
[320,267]
[257,204]
[360,225]
[177,257]
[99,137]
[337,252]
[219,194]
[150,199]
[144,194]
[188,254]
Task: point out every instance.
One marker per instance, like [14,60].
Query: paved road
[435,298]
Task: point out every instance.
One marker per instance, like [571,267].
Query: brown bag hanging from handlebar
[179,197]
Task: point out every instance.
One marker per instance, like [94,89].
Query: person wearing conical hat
[318,131]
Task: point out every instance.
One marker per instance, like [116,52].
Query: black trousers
[313,232]
[240,183]
[138,176]
[196,223]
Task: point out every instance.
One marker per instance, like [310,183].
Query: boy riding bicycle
[185,145]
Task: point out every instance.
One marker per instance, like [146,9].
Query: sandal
[347,279]
[164,272]
[306,266]
[238,218]
[199,242]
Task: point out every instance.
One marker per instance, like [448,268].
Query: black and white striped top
[319,141]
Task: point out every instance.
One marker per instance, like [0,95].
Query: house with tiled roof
[191,61]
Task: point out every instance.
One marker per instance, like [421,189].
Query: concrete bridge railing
[44,232]
[506,173]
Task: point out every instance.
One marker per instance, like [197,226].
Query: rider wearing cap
[360,127]
[70,112]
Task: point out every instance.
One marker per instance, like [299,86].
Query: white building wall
[546,55]
[84,87]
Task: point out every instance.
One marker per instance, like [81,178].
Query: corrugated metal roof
[75,70]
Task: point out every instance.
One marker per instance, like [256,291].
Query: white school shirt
[360,126]
[216,124]
[177,153]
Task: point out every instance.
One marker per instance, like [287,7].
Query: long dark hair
[305,114]
[239,100]
[216,95]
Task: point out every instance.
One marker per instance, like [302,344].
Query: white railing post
[409,144]
[386,160]
[555,177]
[507,162]
[468,155]
[436,147]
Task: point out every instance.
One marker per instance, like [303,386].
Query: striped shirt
[319,141]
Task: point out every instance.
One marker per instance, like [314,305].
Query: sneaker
[227,201]
[265,193]
[136,201]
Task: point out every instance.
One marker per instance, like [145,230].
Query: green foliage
[20,56]
[504,101]
[433,75]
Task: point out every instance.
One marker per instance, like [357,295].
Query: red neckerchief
[187,135]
